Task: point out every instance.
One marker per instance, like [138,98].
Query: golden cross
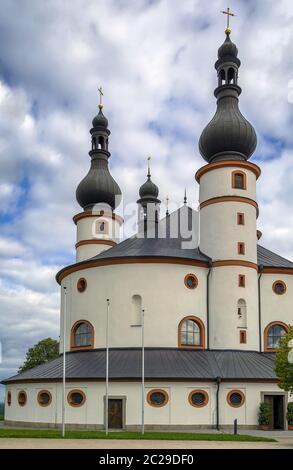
[149,165]
[228,13]
[100,90]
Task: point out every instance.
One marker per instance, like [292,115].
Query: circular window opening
[44,398]
[235,398]
[157,398]
[190,281]
[76,398]
[22,398]
[198,398]
[81,284]
[279,287]
[9,399]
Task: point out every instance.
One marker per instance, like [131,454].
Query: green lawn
[56,434]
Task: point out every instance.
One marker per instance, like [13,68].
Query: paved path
[283,443]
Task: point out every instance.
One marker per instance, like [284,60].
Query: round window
[198,398]
[190,281]
[157,398]
[279,287]
[235,398]
[76,398]
[8,398]
[44,398]
[81,284]
[22,398]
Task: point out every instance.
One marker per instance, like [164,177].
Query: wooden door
[115,410]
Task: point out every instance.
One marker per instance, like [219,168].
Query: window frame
[238,173]
[72,336]
[241,248]
[242,337]
[25,395]
[195,279]
[240,218]
[266,334]
[229,394]
[9,398]
[241,280]
[44,405]
[201,326]
[78,404]
[282,283]
[206,401]
[79,286]
[157,390]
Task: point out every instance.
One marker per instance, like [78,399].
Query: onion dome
[149,191]
[98,186]
[228,136]
[100,119]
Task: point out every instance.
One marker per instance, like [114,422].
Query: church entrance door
[115,413]
[277,405]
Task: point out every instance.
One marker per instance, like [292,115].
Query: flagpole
[64,365]
[107,369]
[142,371]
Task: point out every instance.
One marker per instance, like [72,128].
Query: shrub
[265,413]
[290,413]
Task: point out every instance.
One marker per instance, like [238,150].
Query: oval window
[81,284]
[190,281]
[279,287]
[44,398]
[198,398]
[76,398]
[22,398]
[157,398]
[9,398]
[235,398]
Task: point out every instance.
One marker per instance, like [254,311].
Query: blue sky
[155,60]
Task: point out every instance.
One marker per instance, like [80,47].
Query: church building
[210,314]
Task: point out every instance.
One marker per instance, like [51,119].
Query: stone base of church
[132,428]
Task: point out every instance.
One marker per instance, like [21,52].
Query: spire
[167,206]
[185,198]
[149,191]
[228,136]
[148,202]
[98,186]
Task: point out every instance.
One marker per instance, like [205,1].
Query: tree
[41,352]
[283,369]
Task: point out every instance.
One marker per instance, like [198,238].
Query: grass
[160,436]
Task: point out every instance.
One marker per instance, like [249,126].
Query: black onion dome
[100,119]
[228,48]
[98,186]
[228,135]
[149,190]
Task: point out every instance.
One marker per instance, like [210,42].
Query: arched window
[222,77]
[136,310]
[272,335]
[231,75]
[238,180]
[102,226]
[101,142]
[94,143]
[82,335]
[242,313]
[191,333]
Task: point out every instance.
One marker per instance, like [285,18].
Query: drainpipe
[259,306]
[218,382]
[208,305]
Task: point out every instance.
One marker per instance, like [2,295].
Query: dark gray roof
[266,257]
[161,363]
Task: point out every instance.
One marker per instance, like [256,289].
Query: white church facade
[213,313]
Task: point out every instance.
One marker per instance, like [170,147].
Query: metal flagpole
[107,369]
[142,371]
[64,365]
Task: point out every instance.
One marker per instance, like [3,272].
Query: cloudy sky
[155,60]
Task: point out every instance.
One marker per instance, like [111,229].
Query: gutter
[208,305]
[259,307]
[218,382]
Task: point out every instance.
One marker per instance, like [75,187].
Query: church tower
[98,227]
[228,211]
[148,206]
